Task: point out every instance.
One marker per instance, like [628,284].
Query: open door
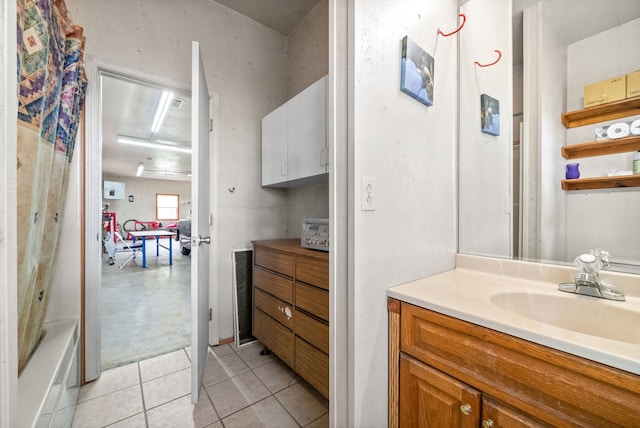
[200,221]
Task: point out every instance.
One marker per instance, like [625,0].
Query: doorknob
[200,240]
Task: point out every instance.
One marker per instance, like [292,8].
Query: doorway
[146,155]
[135,312]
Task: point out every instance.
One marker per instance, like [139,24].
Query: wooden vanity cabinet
[447,372]
[291,307]
[430,398]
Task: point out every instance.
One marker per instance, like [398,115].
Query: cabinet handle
[322,157]
[487,423]
[283,169]
[466,409]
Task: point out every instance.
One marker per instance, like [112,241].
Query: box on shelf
[633,84]
[607,91]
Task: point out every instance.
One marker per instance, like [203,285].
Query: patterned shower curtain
[52,86]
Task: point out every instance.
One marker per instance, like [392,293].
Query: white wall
[308,50]
[143,207]
[306,202]
[551,202]
[485,160]
[409,149]
[602,218]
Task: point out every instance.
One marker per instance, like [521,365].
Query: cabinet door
[306,142]
[429,398]
[498,415]
[274,147]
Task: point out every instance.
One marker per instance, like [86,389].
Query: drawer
[274,260]
[274,336]
[312,271]
[312,330]
[313,365]
[276,285]
[313,300]
[278,309]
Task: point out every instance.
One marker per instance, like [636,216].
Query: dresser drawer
[313,271]
[312,330]
[313,366]
[313,300]
[274,260]
[273,284]
[274,336]
[278,309]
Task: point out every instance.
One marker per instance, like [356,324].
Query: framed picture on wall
[489,115]
[416,72]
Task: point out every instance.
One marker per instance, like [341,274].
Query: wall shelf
[591,115]
[599,148]
[601,113]
[602,182]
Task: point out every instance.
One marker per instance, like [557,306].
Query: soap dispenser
[636,162]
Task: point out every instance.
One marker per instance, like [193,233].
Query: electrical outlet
[507,204]
[368,194]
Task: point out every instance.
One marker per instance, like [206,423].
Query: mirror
[511,203]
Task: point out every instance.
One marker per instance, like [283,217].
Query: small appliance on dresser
[315,234]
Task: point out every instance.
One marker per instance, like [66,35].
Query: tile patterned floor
[241,388]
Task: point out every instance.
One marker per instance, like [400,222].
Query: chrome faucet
[587,280]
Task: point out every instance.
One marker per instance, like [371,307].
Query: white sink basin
[587,315]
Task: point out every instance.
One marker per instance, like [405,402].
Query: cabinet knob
[466,409]
[487,423]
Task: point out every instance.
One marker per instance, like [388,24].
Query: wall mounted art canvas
[416,72]
[490,115]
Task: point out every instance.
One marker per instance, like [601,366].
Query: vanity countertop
[466,293]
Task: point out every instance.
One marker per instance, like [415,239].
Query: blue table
[155,233]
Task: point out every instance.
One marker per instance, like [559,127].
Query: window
[167,207]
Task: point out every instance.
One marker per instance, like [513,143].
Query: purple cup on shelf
[572,171]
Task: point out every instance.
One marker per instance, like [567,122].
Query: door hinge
[210,314]
[210,125]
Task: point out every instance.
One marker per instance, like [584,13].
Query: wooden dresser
[291,307]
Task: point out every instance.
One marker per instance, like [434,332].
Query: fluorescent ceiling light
[149,144]
[161,111]
[140,169]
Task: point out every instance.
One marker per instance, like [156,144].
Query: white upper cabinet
[294,150]
[274,147]
[306,144]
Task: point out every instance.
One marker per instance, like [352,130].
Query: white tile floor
[241,388]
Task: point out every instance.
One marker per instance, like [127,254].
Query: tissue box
[606,91]
[633,84]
